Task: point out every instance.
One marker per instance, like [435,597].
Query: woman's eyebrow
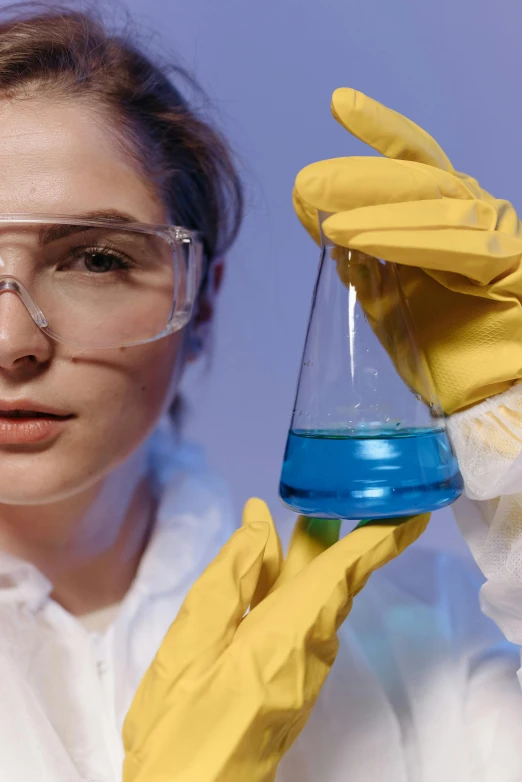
[53,232]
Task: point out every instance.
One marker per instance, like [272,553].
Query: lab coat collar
[193,521]
[22,583]
[194,517]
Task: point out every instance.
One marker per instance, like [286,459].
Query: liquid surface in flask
[361,475]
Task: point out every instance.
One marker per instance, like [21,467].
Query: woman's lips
[18,427]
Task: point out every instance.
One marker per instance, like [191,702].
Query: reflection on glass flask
[330,474]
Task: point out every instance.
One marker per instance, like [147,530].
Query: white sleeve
[424,687]
[488,442]
[467,668]
[493,713]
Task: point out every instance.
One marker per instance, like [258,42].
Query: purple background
[270,68]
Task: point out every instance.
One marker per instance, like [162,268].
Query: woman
[106,520]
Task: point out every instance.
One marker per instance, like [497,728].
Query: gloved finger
[318,599]
[216,603]
[257,510]
[310,538]
[441,213]
[481,256]
[341,184]
[338,184]
[385,130]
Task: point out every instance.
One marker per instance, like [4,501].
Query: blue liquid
[329,474]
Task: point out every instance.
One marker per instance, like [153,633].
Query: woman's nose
[24,348]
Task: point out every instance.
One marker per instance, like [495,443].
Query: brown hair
[69,53]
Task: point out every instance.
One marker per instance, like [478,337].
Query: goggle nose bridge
[12,285]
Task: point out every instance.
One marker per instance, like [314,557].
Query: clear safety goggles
[100,283]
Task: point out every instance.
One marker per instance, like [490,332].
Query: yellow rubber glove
[459,248]
[227,692]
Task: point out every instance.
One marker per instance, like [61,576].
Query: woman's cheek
[149,375]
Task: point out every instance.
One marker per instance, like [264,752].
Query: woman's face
[59,159]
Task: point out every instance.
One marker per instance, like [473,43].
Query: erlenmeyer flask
[367,438]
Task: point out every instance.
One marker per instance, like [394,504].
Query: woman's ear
[199,327]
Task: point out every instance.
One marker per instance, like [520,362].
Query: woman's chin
[42,482]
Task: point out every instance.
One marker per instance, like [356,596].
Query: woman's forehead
[64,159]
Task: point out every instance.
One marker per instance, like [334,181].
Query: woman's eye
[99,262]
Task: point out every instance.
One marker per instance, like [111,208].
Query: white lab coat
[424,688]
